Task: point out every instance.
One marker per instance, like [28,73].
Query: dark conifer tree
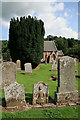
[26,40]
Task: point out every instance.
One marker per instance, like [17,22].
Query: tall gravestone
[14,95]
[66,91]
[8,70]
[40,93]
[28,68]
[18,63]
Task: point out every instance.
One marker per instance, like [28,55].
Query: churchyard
[26,81]
[38,78]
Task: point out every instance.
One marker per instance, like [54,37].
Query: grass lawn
[68,112]
[43,74]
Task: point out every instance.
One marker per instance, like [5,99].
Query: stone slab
[28,68]
[67,97]
[66,90]
[8,73]
[66,75]
[14,95]
[54,65]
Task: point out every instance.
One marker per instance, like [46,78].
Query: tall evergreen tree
[26,40]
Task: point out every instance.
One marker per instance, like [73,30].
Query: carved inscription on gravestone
[40,93]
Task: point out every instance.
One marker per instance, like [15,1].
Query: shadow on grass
[52,100]
[3,102]
[22,73]
[53,78]
[28,98]
[27,74]
[77,76]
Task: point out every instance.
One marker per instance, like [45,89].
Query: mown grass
[67,112]
[43,74]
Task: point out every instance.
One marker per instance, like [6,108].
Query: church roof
[49,46]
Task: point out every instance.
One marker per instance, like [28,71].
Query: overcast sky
[60,18]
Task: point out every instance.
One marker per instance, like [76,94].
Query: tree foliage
[69,46]
[5,49]
[26,40]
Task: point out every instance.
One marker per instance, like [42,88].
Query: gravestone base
[54,70]
[13,102]
[67,97]
[54,67]
[28,73]
[18,69]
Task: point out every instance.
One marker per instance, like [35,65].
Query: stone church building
[50,52]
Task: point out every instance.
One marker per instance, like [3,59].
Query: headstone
[28,68]
[66,91]
[11,59]
[50,60]
[1,59]
[14,95]
[54,65]
[8,70]
[18,63]
[46,59]
[40,93]
[75,60]
[8,56]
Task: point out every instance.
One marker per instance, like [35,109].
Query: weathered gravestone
[50,60]
[8,56]
[46,59]
[66,91]
[40,93]
[18,63]
[28,68]
[75,60]
[8,70]
[54,65]
[1,59]
[14,95]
